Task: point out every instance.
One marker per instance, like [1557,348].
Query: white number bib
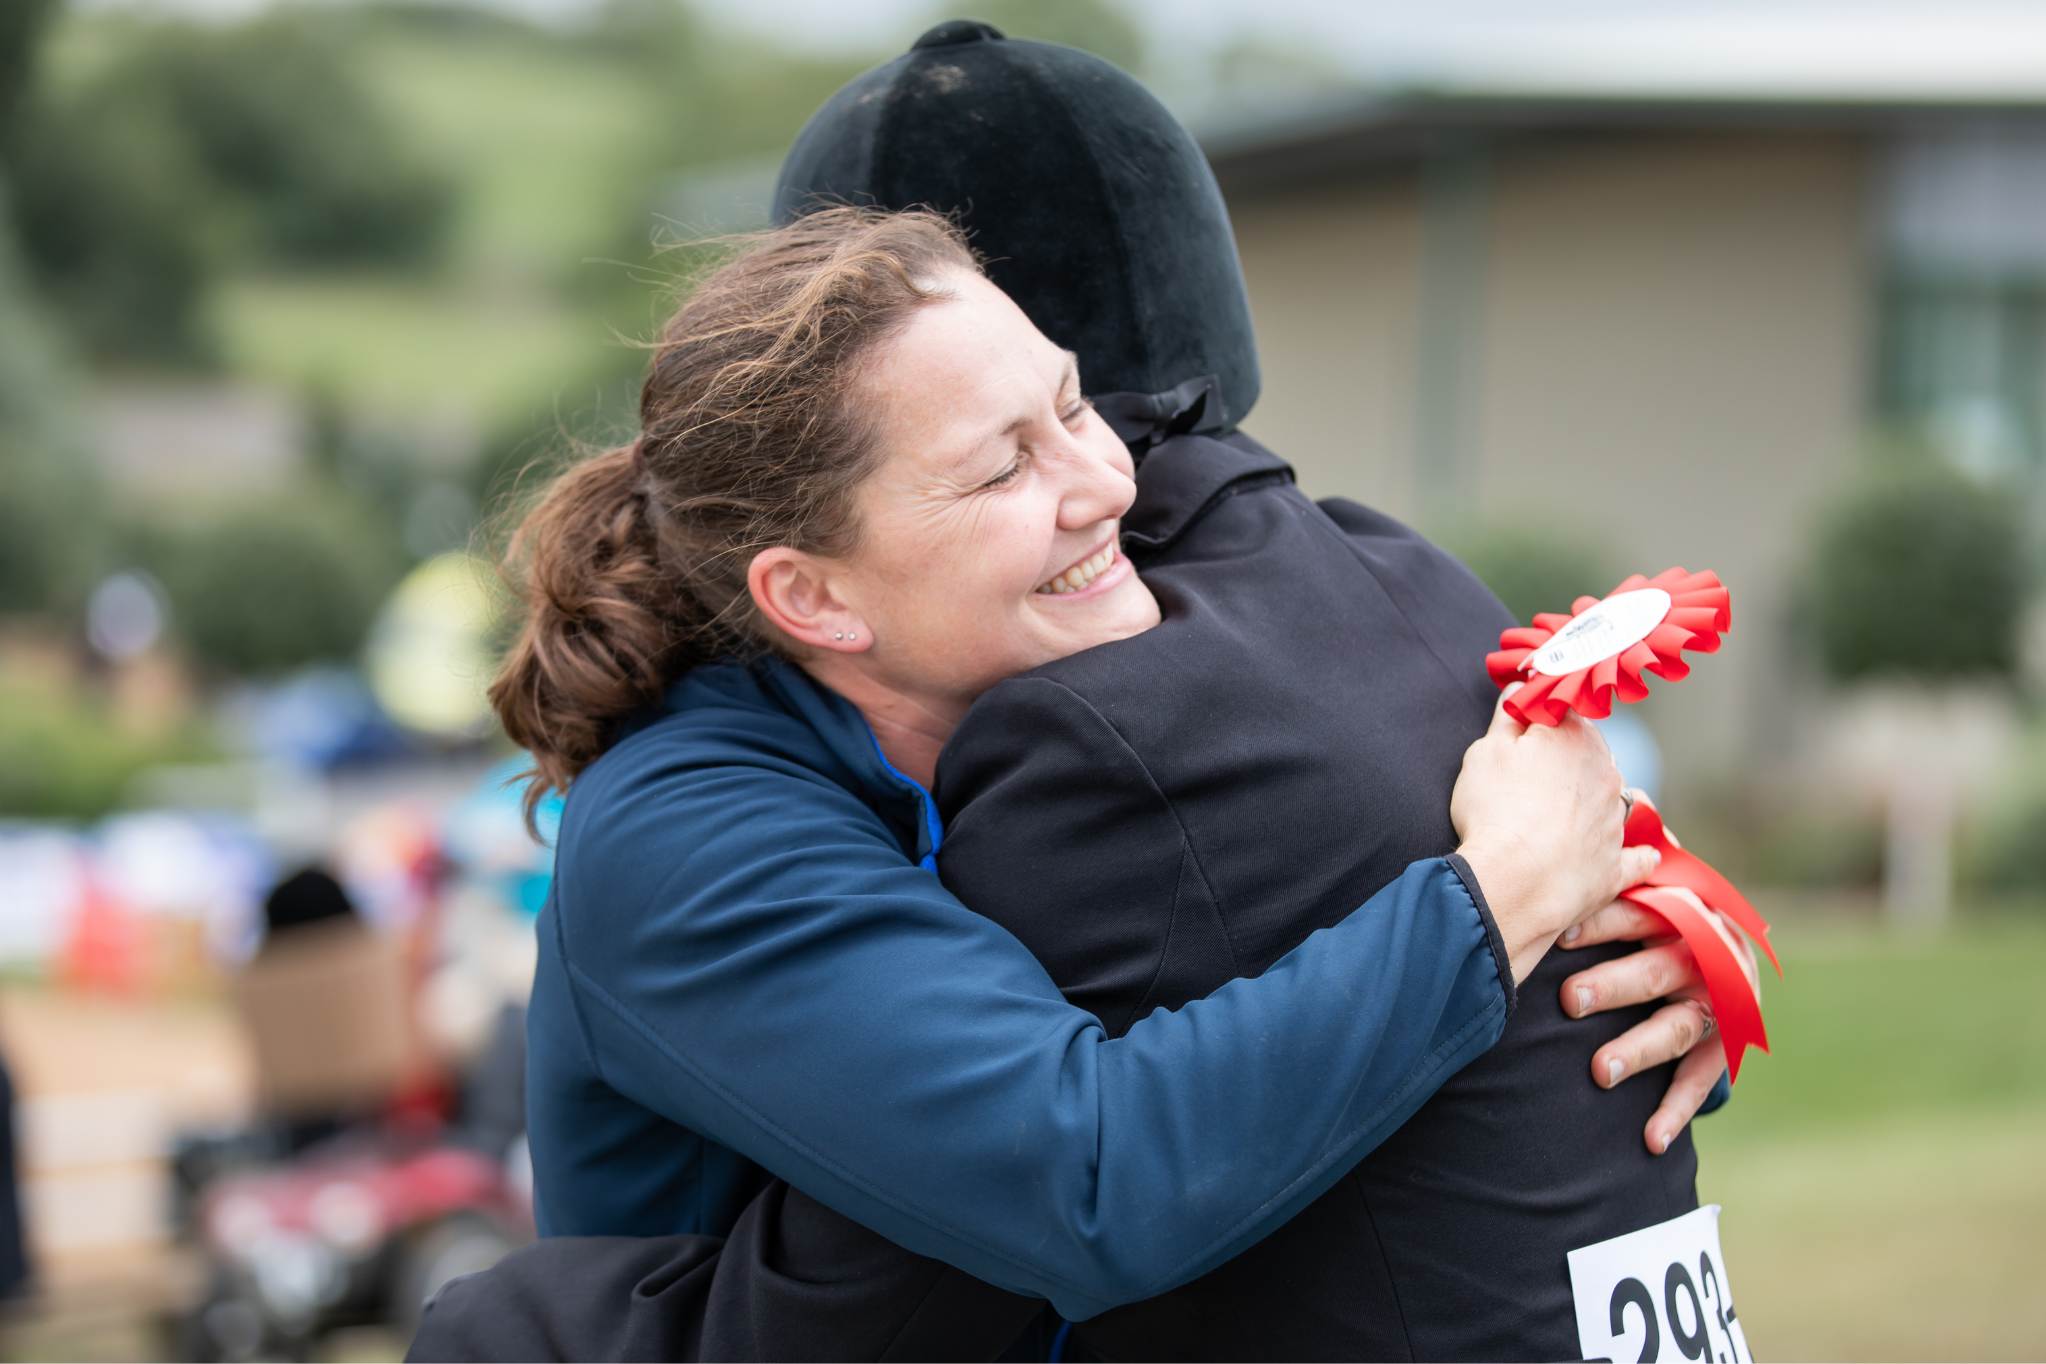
[1658,1294]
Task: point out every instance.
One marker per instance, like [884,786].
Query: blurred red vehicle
[360,1229]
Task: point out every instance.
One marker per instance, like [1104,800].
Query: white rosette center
[1612,627]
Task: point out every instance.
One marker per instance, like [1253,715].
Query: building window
[1962,330]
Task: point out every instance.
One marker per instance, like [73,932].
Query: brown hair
[632,567]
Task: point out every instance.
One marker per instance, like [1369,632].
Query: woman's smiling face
[989,528]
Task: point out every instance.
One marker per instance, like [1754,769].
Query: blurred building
[1664,323]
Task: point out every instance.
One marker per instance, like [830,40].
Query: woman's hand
[1540,817]
[1683,1027]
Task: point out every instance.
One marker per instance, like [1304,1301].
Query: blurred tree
[1091,25]
[1816,845]
[519,457]
[21,28]
[1919,571]
[278,122]
[49,514]
[266,586]
[50,524]
[112,226]
[663,37]
[1530,569]
[194,147]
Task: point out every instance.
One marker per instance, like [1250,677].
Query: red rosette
[1699,612]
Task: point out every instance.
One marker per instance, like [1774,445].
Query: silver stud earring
[839,635]
[854,635]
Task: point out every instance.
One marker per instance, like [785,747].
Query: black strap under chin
[1187,476]
[1143,420]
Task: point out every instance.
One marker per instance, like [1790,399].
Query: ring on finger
[1708,1022]
[1627,799]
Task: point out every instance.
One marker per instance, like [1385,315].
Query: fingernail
[1662,1141]
[1572,934]
[1584,1003]
[1615,1068]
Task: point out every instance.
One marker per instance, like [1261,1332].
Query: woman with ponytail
[866,491]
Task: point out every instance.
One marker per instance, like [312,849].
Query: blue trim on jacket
[745,967]
[934,828]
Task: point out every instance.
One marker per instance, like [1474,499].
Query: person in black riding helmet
[1165,813]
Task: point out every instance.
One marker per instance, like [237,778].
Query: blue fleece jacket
[747,966]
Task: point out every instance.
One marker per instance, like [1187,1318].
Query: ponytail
[602,630]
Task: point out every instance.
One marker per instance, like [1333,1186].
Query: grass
[1880,1172]
[1866,1024]
[407,348]
[1912,1236]
[552,146]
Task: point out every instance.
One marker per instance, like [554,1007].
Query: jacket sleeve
[808,997]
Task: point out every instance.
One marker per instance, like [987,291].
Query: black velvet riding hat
[1093,207]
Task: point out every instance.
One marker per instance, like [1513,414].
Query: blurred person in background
[14,1266]
[328,1009]
[386,1158]
[342,1035]
[307,896]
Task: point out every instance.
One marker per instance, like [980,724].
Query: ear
[797,592]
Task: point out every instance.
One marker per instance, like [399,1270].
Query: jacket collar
[1187,474]
[838,723]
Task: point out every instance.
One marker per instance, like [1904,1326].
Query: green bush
[34,544]
[1919,571]
[62,758]
[2005,844]
[267,586]
[2012,855]
[1532,570]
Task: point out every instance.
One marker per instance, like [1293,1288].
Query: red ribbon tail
[1681,868]
[1735,1006]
